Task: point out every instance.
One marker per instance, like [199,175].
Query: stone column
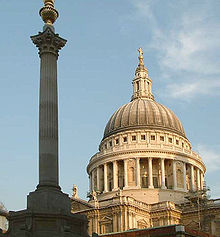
[174,175]
[150,175]
[90,182]
[105,178]
[138,175]
[184,177]
[115,175]
[198,179]
[192,178]
[125,173]
[163,186]
[49,45]
[202,180]
[98,178]
[92,176]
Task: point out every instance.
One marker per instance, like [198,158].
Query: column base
[163,187]
[126,188]
[151,187]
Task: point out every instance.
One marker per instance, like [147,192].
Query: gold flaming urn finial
[48,13]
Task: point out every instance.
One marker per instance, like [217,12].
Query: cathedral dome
[144,153]
[143,113]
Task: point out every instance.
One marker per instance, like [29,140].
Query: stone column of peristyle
[49,45]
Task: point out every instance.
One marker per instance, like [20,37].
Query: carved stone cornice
[48,42]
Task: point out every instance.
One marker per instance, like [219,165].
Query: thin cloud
[187,50]
[211,157]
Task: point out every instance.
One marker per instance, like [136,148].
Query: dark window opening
[143,137]
[152,137]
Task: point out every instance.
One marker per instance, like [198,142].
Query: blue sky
[181,44]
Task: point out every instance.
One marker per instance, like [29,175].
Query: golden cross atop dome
[48,13]
[141,57]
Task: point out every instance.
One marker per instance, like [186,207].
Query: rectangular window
[125,139]
[177,142]
[152,137]
[143,137]
[110,143]
[182,145]
[138,86]
[133,138]
[116,141]
[105,146]
[170,140]
[162,138]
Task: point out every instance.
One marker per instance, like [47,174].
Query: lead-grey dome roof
[143,113]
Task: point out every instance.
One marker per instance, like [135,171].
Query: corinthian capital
[48,42]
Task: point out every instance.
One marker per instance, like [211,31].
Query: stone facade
[144,169]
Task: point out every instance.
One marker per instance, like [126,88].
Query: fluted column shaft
[163,186]
[92,177]
[184,176]
[202,180]
[105,178]
[198,179]
[192,178]
[49,45]
[98,178]
[48,122]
